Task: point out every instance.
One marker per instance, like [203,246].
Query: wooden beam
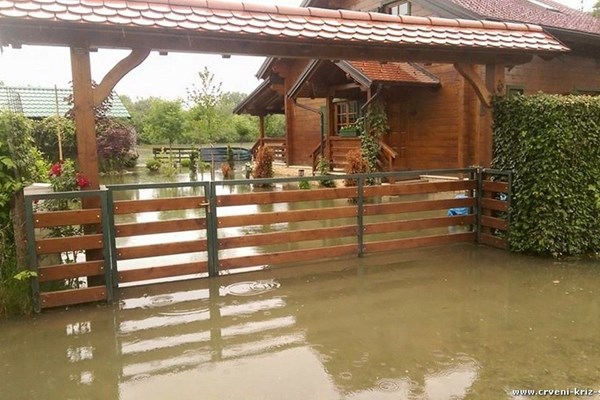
[470,74]
[261,126]
[41,33]
[123,67]
[83,109]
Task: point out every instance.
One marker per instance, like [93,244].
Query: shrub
[227,171]
[45,135]
[355,164]
[153,165]
[263,164]
[304,184]
[324,168]
[552,145]
[116,145]
[185,162]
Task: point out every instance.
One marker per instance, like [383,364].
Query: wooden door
[397,138]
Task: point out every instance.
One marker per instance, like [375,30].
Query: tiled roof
[555,15]
[395,72]
[307,25]
[41,102]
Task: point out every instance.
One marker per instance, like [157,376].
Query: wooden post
[261,126]
[330,128]
[494,81]
[289,129]
[85,126]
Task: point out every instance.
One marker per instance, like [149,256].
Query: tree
[203,102]
[164,121]
[139,110]
[596,9]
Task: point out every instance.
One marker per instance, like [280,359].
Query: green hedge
[552,145]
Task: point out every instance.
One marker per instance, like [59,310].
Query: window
[512,91]
[398,8]
[346,113]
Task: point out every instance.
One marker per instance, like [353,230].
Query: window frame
[387,8]
[350,115]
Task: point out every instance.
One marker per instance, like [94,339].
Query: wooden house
[435,114]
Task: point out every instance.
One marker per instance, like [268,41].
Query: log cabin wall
[567,74]
[426,124]
[303,127]
[307,132]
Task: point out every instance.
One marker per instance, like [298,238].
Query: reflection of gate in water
[157,232]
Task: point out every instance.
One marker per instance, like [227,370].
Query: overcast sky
[160,76]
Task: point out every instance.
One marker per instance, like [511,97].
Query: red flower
[56,169]
[81,180]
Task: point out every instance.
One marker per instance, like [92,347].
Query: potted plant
[348,130]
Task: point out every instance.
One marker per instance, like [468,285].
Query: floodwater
[455,322]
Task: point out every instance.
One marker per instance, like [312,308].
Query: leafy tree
[164,121]
[139,111]
[116,145]
[596,9]
[275,125]
[45,135]
[203,102]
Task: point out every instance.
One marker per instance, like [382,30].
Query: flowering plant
[64,177]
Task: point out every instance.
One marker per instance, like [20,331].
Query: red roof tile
[555,15]
[267,21]
[395,72]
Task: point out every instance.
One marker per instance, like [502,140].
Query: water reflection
[450,323]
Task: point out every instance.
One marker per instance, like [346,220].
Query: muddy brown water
[456,322]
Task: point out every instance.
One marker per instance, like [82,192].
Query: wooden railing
[386,157]
[321,149]
[174,153]
[277,145]
[494,206]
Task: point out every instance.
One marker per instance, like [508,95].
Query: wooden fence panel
[288,196]
[165,271]
[163,204]
[149,228]
[72,296]
[48,219]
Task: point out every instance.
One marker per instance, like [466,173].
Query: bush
[153,165]
[45,135]
[324,168]
[116,145]
[263,164]
[552,145]
[185,162]
[355,164]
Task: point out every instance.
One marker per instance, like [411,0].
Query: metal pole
[108,239]
[212,234]
[32,254]
[360,215]
[479,172]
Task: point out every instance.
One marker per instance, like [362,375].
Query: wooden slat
[166,271]
[62,218]
[492,222]
[411,243]
[289,256]
[161,249]
[69,271]
[287,196]
[417,206]
[415,224]
[163,204]
[148,228]
[400,189]
[496,187]
[494,241]
[264,239]
[287,216]
[71,243]
[492,204]
[72,296]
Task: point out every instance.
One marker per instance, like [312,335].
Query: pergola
[207,26]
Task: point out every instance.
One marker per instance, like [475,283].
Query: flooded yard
[454,322]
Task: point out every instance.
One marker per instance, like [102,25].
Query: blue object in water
[459,210]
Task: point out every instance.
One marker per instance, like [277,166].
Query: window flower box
[348,132]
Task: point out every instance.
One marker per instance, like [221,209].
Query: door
[397,138]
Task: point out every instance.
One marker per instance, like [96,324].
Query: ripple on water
[388,385]
[252,288]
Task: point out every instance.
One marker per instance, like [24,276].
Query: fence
[150,232]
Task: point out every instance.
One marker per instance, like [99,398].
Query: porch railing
[277,145]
